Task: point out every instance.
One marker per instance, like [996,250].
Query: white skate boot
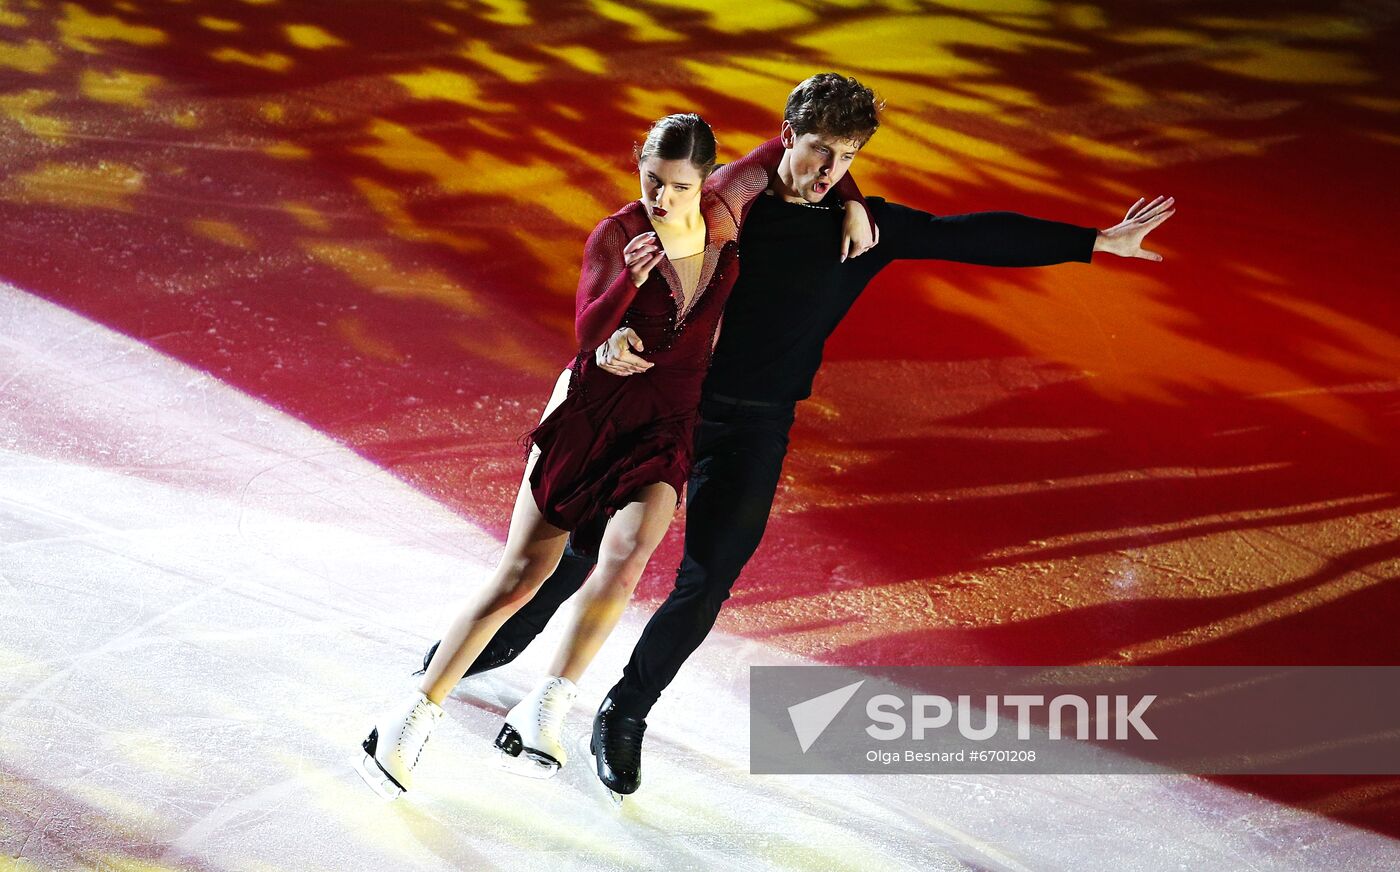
[394,745]
[530,740]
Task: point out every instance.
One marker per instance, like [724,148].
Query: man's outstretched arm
[1011,239]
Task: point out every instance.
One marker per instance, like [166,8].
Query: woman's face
[670,188]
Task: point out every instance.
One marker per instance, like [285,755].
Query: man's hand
[641,254]
[857,236]
[1125,238]
[617,354]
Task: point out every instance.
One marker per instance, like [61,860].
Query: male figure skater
[790,295]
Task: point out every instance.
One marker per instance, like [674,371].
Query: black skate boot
[617,749]
[487,660]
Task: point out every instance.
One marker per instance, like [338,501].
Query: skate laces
[622,738]
[554,706]
[416,729]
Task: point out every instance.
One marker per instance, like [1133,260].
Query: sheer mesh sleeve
[739,183]
[605,288]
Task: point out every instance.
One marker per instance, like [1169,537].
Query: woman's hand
[641,254]
[1125,238]
[616,355]
[857,235]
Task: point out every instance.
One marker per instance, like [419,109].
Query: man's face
[817,162]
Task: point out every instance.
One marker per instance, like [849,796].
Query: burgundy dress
[614,435]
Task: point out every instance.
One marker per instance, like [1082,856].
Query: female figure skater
[611,455]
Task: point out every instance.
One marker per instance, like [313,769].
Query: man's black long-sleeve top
[793,289]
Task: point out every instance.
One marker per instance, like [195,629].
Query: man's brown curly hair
[830,104]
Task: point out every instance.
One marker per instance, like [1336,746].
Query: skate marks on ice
[206,603]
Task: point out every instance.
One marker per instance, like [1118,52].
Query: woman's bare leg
[533,548]
[632,535]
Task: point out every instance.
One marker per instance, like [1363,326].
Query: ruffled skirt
[608,439]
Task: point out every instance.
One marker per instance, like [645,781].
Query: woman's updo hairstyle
[678,137]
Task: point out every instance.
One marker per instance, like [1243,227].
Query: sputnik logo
[811,718]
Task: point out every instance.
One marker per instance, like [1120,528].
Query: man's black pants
[739,450]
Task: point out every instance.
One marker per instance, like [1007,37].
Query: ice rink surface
[205,601]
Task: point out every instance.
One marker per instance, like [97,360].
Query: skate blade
[526,766]
[376,779]
[615,799]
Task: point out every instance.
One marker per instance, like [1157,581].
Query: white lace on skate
[417,727]
[554,705]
